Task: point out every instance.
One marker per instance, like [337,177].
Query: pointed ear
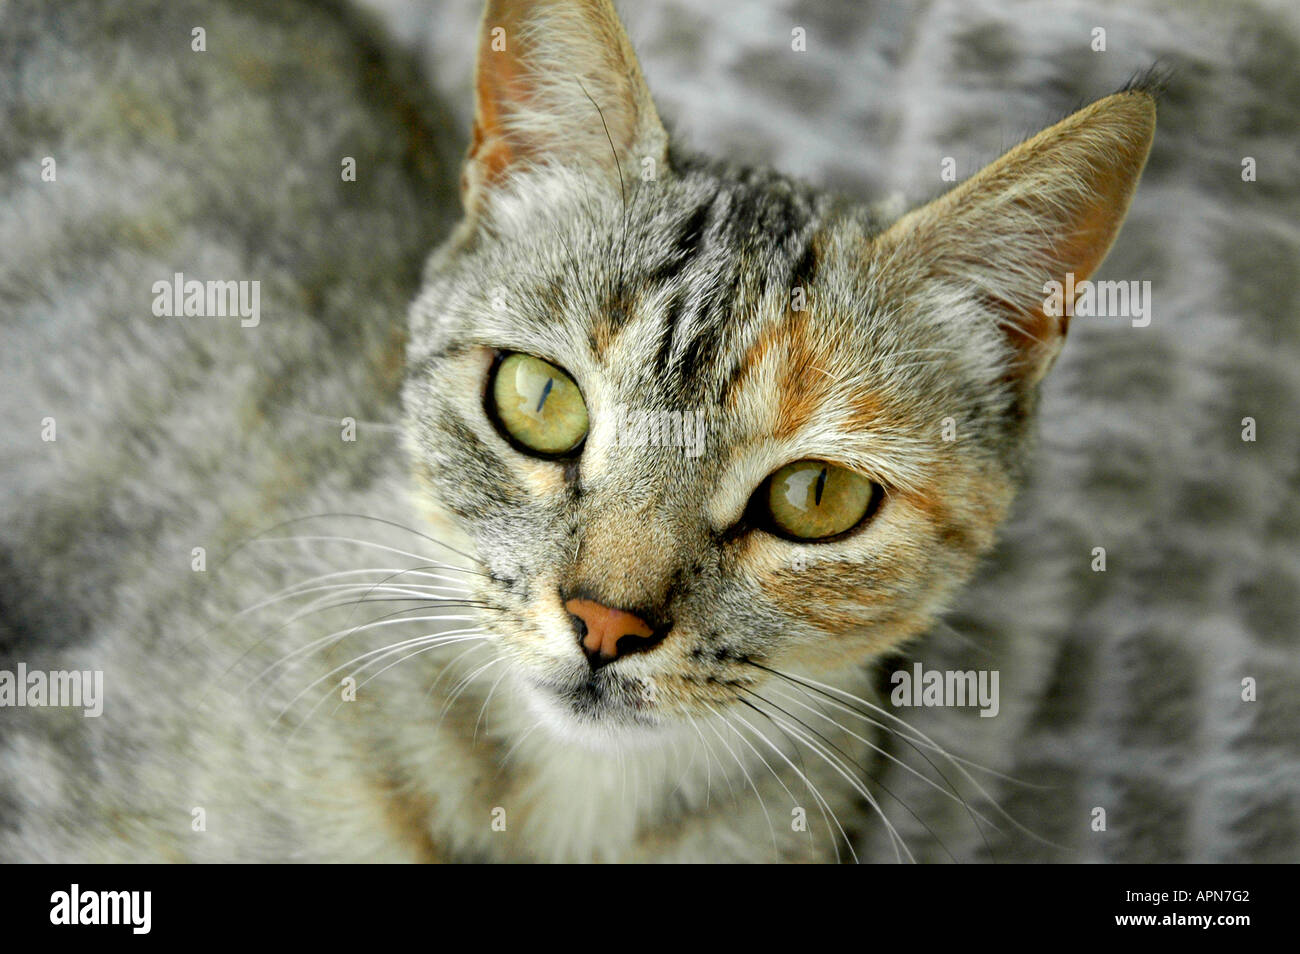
[1050,206]
[557,80]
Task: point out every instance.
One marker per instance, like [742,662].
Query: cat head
[701,421]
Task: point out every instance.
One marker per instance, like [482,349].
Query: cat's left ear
[557,81]
[1050,207]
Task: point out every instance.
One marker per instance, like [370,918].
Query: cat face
[701,421]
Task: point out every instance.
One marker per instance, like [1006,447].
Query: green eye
[812,500]
[537,405]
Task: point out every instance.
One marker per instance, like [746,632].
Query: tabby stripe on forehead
[804,272]
[687,246]
[707,330]
[672,316]
[759,226]
[749,216]
[802,275]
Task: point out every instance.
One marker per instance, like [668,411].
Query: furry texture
[1120,689]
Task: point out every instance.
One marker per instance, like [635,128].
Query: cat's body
[244,430]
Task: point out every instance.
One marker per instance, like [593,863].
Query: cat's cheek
[858,596]
[756,556]
[541,478]
[857,644]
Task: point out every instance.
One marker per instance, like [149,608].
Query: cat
[635,651]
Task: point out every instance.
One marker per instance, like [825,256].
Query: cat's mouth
[595,706]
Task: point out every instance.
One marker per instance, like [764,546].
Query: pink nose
[605,632]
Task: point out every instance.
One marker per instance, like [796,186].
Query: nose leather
[603,627]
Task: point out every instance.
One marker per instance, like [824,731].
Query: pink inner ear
[564,85]
[1038,337]
[499,81]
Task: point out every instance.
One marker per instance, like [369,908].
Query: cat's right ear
[557,81]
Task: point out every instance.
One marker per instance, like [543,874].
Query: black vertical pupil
[546,392]
[821,486]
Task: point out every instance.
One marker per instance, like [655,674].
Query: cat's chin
[586,717]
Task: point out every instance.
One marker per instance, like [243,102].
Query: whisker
[358,516]
[465,684]
[483,708]
[837,762]
[429,644]
[974,814]
[776,853]
[762,758]
[425,604]
[448,668]
[884,753]
[289,592]
[924,740]
[349,663]
[822,804]
[367,596]
[685,774]
[730,790]
[708,766]
[920,737]
[433,643]
[307,585]
[335,538]
[379,425]
[518,742]
[388,619]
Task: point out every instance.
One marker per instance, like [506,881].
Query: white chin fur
[560,722]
